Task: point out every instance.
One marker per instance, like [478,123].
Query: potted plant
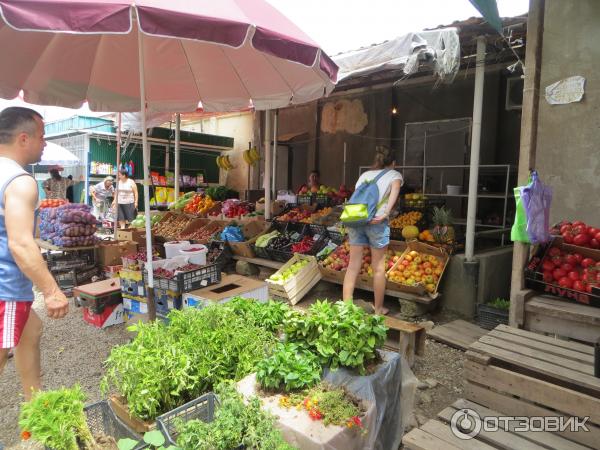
[492,314]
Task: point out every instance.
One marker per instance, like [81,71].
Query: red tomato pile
[52,203]
[578,233]
[570,270]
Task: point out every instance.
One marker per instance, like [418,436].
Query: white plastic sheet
[440,49]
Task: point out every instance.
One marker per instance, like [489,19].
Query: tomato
[566,267]
[554,251]
[581,239]
[548,278]
[594,243]
[548,265]
[570,259]
[566,228]
[556,260]
[558,274]
[578,257]
[579,223]
[568,238]
[588,262]
[579,286]
[592,231]
[565,282]
[573,275]
[588,289]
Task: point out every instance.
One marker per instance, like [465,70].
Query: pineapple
[443,231]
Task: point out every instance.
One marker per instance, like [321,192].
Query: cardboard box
[110,252]
[131,318]
[251,230]
[112,315]
[230,286]
[136,306]
[137,235]
[277,207]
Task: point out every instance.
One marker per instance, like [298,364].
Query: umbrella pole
[146,160]
[267,173]
[117,175]
[177,151]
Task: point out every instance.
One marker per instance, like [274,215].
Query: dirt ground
[73,352]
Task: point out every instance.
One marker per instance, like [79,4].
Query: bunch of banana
[224,163]
[251,156]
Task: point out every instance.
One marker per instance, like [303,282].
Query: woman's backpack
[364,203]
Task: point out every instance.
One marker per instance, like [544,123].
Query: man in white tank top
[21,263]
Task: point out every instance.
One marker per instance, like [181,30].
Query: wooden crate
[520,373]
[436,434]
[193,226]
[298,286]
[429,250]
[119,406]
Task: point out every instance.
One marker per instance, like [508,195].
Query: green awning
[489,10]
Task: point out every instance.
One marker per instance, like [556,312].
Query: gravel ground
[72,352]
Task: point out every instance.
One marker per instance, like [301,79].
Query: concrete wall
[238,125]
[459,294]
[567,154]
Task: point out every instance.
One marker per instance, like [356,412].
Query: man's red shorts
[13,317]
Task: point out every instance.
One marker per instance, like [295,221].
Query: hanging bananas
[224,163]
[251,156]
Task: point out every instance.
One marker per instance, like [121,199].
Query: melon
[410,232]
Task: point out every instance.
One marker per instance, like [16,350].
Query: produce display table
[425,299]
[50,247]
[388,396]
[520,373]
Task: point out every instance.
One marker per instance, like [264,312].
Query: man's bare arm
[20,198]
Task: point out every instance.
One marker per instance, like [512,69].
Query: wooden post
[529,121]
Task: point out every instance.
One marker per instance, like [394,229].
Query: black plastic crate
[223,257]
[62,261]
[337,237]
[305,199]
[188,281]
[489,317]
[261,252]
[281,255]
[322,200]
[318,229]
[102,420]
[203,408]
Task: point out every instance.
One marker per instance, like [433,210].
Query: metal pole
[117,176]
[475,147]
[267,173]
[177,151]
[275,153]
[146,161]
[345,160]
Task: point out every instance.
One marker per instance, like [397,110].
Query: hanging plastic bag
[232,234]
[532,217]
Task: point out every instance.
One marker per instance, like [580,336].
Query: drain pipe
[471,265]
[475,148]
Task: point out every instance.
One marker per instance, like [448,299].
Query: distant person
[56,186]
[70,193]
[21,262]
[376,234]
[101,192]
[314,181]
[127,199]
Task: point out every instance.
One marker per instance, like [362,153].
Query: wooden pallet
[518,373]
[436,434]
[458,333]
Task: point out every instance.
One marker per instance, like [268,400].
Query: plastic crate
[322,200]
[102,420]
[203,408]
[305,199]
[188,281]
[62,261]
[261,252]
[281,255]
[489,317]
[223,257]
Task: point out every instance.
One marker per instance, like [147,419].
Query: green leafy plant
[154,439]
[165,367]
[235,423]
[269,315]
[289,368]
[500,303]
[56,419]
[341,333]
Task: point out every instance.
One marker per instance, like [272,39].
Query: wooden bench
[520,373]
[411,338]
[436,434]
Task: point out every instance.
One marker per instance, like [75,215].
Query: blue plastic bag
[232,234]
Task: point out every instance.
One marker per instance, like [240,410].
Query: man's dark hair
[316,172]
[16,119]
